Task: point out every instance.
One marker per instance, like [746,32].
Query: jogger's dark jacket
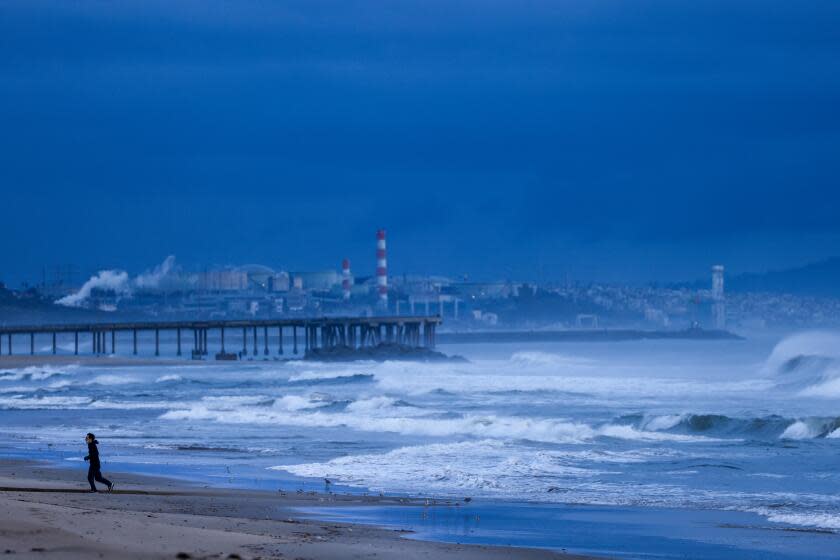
[93,455]
[95,466]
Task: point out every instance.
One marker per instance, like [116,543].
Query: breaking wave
[820,520]
[35,373]
[329,379]
[535,358]
[486,465]
[765,428]
[113,380]
[43,402]
[808,363]
[386,414]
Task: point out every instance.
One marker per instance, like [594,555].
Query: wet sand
[48,513]
[21,361]
[115,360]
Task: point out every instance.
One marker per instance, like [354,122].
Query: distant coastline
[588,335]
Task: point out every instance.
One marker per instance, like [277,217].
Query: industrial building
[259,291]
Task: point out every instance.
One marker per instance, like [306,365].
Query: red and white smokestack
[381,269]
[345,278]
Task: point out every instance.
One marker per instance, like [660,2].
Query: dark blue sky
[607,140]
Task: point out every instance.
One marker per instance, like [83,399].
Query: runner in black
[94,472]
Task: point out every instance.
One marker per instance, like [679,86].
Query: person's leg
[91,475]
[102,479]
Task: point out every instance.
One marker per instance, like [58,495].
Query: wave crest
[719,425]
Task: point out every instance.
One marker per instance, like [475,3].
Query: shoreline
[46,512]
[581,335]
[28,360]
[311,524]
[587,527]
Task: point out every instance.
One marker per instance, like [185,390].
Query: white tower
[718,302]
[346,279]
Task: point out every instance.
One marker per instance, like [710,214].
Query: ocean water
[750,427]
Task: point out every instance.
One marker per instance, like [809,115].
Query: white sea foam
[812,343]
[158,446]
[332,373]
[60,384]
[828,389]
[808,362]
[109,379]
[487,467]
[228,402]
[661,423]
[484,377]
[379,415]
[48,402]
[632,456]
[768,475]
[168,378]
[371,404]
[12,389]
[130,405]
[478,426]
[535,358]
[294,403]
[798,430]
[35,373]
[819,520]
[804,429]
[54,386]
[623,431]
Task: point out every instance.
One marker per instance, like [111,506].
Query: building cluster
[258,291]
[773,310]
[665,307]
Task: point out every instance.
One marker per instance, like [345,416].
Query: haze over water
[742,425]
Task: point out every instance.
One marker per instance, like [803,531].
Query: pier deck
[321,332]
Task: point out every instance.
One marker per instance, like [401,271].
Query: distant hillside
[820,279]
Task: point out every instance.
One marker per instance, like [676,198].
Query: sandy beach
[47,513]
[27,360]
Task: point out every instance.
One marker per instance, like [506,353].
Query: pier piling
[322,333]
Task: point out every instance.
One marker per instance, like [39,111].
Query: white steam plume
[153,279]
[116,280]
[119,282]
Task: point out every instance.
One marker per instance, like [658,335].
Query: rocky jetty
[380,353]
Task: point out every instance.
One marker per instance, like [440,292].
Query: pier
[257,336]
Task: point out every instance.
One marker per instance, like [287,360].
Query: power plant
[256,291]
